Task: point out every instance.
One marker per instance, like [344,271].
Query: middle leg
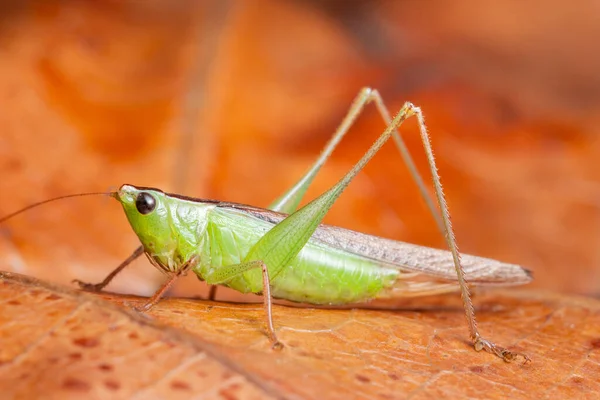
[229,272]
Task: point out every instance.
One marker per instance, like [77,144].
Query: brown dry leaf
[58,342]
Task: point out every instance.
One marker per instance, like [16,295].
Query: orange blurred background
[233,100]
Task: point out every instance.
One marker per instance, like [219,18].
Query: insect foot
[277,346]
[505,354]
[144,307]
[90,287]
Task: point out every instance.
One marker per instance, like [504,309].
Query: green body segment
[319,274]
[179,230]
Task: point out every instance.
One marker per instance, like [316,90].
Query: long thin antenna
[39,203]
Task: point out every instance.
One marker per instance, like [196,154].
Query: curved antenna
[39,203]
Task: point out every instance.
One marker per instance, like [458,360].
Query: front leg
[229,272]
[97,287]
[152,301]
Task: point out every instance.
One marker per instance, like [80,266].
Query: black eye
[145,203]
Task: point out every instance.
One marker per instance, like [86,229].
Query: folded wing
[405,256]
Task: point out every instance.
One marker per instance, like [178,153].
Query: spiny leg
[224,274]
[408,160]
[96,287]
[479,342]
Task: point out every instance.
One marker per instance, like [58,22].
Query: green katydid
[286,253]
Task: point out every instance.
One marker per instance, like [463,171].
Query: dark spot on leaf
[595,343]
[180,385]
[105,367]
[86,342]
[177,311]
[577,380]
[53,297]
[112,384]
[442,342]
[310,355]
[35,292]
[478,369]
[13,302]
[393,377]
[76,384]
[13,165]
[226,375]
[133,335]
[228,392]
[75,356]
[362,378]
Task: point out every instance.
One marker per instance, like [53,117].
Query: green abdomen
[319,274]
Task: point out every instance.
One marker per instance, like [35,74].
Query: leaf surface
[59,343]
